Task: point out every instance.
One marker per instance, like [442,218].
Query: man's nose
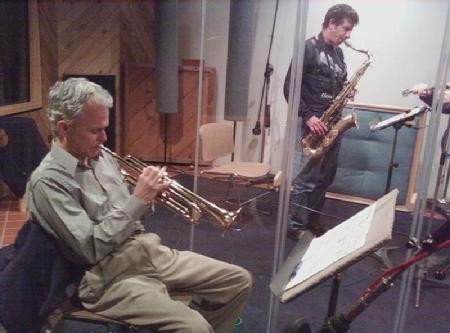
[102,136]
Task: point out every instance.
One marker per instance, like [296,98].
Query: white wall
[405,37]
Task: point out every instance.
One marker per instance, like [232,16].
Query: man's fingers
[320,128]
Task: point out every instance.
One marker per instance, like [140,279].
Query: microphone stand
[268,72]
[381,254]
[393,165]
[265,90]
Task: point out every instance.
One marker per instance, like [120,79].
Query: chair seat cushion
[242,169]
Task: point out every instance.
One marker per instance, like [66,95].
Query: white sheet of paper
[335,244]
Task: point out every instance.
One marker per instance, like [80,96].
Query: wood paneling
[88,37]
[142,126]
[96,37]
[136,33]
[158,137]
[182,126]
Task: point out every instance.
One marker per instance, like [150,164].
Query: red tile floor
[12,217]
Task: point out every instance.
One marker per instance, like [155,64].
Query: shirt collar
[64,158]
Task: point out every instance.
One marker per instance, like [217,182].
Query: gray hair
[67,98]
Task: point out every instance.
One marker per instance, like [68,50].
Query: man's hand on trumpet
[426,93]
[149,183]
[420,89]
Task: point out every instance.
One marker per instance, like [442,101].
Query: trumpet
[177,198]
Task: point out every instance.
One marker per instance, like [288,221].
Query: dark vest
[324,74]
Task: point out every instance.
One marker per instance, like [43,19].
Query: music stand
[309,263]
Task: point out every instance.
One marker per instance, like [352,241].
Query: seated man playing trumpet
[78,195]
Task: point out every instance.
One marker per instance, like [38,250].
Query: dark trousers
[310,186]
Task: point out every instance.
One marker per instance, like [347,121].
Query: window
[20,76]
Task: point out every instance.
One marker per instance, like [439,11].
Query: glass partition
[233,174]
[181,87]
[239,40]
[430,216]
[233,60]
[363,163]
[20,71]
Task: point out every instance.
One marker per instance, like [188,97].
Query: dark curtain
[14,52]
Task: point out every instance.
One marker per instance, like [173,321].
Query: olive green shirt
[88,209]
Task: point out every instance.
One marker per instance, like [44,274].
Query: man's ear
[62,127]
[332,24]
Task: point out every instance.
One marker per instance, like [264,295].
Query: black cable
[318,212]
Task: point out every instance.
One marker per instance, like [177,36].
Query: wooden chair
[216,140]
[77,314]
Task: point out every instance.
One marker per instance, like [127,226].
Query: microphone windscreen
[166,56]
[239,60]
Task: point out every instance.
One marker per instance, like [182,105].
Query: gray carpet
[253,246]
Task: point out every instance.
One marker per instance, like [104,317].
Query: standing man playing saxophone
[79,196]
[324,75]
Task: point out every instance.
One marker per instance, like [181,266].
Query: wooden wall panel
[182,125]
[88,37]
[96,37]
[145,134]
[143,127]
[136,32]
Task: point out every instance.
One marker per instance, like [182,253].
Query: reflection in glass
[14,51]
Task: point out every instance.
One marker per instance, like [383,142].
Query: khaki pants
[133,283]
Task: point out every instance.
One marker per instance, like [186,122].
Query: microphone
[257,129]
[402,117]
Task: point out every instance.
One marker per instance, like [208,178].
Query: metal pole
[199,112]
[424,175]
[288,156]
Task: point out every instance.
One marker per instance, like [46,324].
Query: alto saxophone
[316,146]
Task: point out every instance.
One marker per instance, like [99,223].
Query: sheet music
[335,244]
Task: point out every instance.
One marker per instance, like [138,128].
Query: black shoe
[316,229]
[295,234]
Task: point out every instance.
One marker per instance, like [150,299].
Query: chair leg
[234,191]
[233,198]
